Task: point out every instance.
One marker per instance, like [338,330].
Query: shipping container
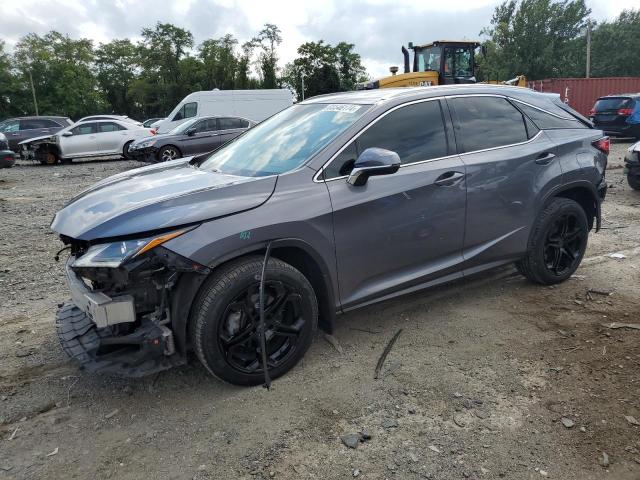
[582,93]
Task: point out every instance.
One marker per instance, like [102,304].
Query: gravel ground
[492,377]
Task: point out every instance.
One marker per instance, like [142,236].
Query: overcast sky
[377,27]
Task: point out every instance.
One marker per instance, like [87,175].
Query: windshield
[458,62]
[183,126]
[284,141]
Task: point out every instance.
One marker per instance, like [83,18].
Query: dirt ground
[491,377]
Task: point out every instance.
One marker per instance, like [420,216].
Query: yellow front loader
[442,62]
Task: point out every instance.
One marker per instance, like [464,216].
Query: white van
[253,105]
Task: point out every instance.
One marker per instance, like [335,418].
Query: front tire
[224,324]
[557,243]
[633,181]
[125,150]
[168,153]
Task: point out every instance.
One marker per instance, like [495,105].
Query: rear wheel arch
[585,194]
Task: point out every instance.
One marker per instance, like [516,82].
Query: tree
[615,45]
[116,64]
[14,99]
[268,39]
[537,38]
[325,68]
[62,73]
[220,62]
[242,79]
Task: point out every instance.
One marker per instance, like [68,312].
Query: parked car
[632,166]
[150,121]
[20,129]
[337,202]
[7,157]
[618,115]
[193,137]
[120,118]
[254,105]
[86,139]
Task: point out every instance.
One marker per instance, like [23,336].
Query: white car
[122,118]
[85,139]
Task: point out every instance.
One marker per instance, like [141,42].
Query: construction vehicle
[442,62]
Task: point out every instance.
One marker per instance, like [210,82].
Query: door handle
[545,158]
[449,178]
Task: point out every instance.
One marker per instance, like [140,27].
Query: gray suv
[337,202]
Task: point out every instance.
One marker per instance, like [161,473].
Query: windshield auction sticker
[341,107]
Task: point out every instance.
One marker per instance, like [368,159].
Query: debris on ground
[567,422]
[351,440]
[389,423]
[619,256]
[55,452]
[604,460]
[333,341]
[616,325]
[434,448]
[385,352]
[112,413]
[631,420]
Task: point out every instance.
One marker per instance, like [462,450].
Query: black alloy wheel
[225,321]
[563,244]
[239,332]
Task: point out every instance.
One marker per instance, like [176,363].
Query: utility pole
[588,48]
[33,92]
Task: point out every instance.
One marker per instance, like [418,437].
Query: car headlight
[145,144]
[112,255]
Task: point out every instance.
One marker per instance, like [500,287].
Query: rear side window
[488,122]
[546,121]
[415,132]
[613,103]
[109,127]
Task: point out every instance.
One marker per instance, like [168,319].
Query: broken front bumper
[100,308]
[106,334]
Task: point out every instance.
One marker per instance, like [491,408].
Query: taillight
[153,131]
[603,145]
[592,112]
[625,111]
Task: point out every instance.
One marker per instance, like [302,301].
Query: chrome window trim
[544,111]
[316,178]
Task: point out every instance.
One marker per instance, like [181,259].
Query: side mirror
[191,131]
[371,162]
[67,134]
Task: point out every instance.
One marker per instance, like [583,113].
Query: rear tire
[557,243]
[633,181]
[168,153]
[224,323]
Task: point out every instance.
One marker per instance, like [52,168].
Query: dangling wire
[57,257]
[263,340]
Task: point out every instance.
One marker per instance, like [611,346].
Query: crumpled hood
[158,138]
[159,196]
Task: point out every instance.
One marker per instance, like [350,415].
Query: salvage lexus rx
[337,202]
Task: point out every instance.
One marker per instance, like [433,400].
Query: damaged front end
[120,318]
[41,149]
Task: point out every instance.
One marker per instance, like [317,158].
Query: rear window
[613,103]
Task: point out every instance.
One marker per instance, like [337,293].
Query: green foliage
[325,69]
[268,39]
[537,38]
[615,46]
[148,78]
